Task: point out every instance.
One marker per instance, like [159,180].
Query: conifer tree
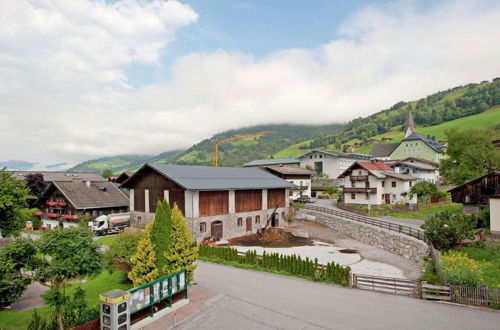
[161,235]
[143,268]
[183,252]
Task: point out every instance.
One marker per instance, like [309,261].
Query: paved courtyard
[257,300]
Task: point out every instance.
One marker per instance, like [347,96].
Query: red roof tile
[375,166]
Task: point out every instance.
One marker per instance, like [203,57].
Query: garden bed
[272,237]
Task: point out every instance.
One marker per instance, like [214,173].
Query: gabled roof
[493,173]
[421,160]
[124,176]
[378,169]
[291,170]
[81,196]
[384,150]
[274,161]
[194,177]
[338,154]
[49,176]
[426,167]
[433,144]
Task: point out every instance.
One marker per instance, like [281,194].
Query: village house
[62,201]
[420,170]
[300,177]
[375,183]
[289,162]
[216,201]
[475,194]
[331,163]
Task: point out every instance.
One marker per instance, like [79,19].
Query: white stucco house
[375,183]
[424,172]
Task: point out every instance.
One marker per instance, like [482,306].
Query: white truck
[110,224]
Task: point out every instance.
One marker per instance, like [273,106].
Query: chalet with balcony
[300,177]
[216,201]
[63,201]
[476,193]
[422,171]
[375,183]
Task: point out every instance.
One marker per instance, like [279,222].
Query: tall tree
[161,234]
[36,185]
[424,190]
[470,154]
[184,251]
[14,197]
[67,254]
[143,261]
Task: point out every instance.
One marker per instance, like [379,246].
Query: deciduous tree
[14,197]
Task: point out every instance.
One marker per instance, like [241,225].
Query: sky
[83,79]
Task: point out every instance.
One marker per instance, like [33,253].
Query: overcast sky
[81,79]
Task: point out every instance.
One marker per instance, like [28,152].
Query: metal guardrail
[407,230]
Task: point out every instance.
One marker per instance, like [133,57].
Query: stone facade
[394,242]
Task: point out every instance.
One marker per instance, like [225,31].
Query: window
[353,184]
[414,170]
[318,167]
[383,184]
[393,197]
[139,220]
[240,222]
[203,227]
[290,193]
[320,156]
[393,184]
[283,215]
[257,219]
[353,196]
[311,157]
[359,172]
[411,183]
[367,196]
[367,184]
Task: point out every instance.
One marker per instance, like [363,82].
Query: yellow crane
[217,142]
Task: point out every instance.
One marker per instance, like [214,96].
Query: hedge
[278,263]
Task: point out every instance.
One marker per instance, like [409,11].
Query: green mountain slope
[474,105]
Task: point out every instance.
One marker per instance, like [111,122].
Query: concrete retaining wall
[394,242]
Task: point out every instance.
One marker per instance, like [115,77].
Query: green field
[107,240]
[93,288]
[293,150]
[483,120]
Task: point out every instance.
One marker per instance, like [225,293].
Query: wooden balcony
[300,188]
[360,190]
[359,177]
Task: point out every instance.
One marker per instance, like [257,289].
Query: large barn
[216,201]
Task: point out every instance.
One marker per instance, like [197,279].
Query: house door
[249,224]
[216,229]
[275,220]
[387,198]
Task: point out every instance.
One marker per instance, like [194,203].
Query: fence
[417,233]
[434,292]
[479,296]
[436,259]
[393,285]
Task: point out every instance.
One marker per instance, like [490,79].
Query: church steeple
[410,125]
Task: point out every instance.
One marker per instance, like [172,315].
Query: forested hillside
[435,109]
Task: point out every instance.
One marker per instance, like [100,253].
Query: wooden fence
[436,259]
[393,285]
[434,292]
[407,230]
[479,296]
[92,325]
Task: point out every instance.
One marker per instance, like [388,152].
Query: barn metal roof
[274,161]
[194,177]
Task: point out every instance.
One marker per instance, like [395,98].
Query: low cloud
[65,92]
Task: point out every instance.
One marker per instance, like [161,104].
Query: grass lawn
[107,240]
[488,256]
[423,214]
[93,288]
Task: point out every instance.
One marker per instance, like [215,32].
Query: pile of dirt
[272,237]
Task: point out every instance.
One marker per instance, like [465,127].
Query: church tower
[410,125]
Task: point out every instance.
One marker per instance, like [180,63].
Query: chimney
[87,183]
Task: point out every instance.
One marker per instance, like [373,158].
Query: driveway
[257,300]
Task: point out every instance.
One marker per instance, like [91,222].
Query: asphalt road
[256,300]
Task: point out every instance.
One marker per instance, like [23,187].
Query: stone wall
[394,242]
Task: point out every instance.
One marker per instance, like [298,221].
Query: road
[257,300]
[414,223]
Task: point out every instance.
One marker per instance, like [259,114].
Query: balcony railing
[360,190]
[300,188]
[359,177]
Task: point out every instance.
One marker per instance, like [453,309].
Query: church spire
[410,125]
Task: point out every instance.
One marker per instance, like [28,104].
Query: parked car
[303,200]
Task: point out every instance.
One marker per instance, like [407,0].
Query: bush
[460,269]
[121,250]
[446,229]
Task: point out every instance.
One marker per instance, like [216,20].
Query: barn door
[216,229]
[249,224]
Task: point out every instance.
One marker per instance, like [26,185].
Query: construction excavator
[269,220]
